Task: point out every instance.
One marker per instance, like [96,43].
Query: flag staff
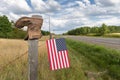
[49,28]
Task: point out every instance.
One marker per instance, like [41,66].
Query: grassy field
[83,57]
[10,49]
[112,35]
[115,35]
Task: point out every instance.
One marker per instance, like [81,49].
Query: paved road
[108,42]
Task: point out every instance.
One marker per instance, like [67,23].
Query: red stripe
[49,55]
[62,59]
[52,55]
[55,53]
[65,58]
[59,60]
[68,59]
[57,56]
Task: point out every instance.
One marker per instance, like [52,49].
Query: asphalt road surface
[107,42]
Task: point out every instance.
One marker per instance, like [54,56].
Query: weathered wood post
[32,59]
[34,24]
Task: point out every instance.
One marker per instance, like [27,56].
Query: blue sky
[65,14]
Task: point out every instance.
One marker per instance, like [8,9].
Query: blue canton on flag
[57,54]
[61,45]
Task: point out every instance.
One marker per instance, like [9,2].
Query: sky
[64,14]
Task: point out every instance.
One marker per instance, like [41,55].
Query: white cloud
[13,16]
[108,3]
[58,22]
[81,4]
[54,4]
[110,21]
[70,5]
[87,2]
[39,5]
[65,16]
[15,6]
[43,7]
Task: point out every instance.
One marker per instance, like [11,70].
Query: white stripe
[63,59]
[53,53]
[67,58]
[60,59]
[50,55]
[58,62]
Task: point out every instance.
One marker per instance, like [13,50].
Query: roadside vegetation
[101,58]
[115,35]
[103,30]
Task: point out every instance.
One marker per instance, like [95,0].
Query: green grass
[114,35]
[73,73]
[100,57]
[111,35]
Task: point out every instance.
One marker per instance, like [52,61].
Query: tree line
[103,29]
[7,29]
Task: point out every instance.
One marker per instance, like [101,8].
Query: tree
[5,26]
[45,32]
[104,29]
[97,31]
[94,30]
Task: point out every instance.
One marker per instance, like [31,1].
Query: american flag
[57,54]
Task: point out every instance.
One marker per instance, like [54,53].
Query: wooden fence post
[32,59]
[34,25]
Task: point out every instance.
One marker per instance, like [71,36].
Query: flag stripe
[49,55]
[51,59]
[53,54]
[55,57]
[55,50]
[68,58]
[64,59]
[61,62]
